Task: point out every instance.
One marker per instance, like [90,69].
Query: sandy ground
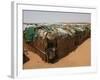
[79,57]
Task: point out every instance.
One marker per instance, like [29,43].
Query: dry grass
[80,57]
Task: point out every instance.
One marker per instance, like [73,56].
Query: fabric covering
[52,31]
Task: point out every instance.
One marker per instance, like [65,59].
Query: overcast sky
[52,17]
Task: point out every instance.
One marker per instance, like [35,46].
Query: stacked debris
[54,41]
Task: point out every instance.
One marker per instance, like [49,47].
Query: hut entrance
[51,50]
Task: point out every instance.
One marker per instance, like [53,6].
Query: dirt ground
[79,57]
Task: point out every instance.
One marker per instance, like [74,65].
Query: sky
[53,17]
